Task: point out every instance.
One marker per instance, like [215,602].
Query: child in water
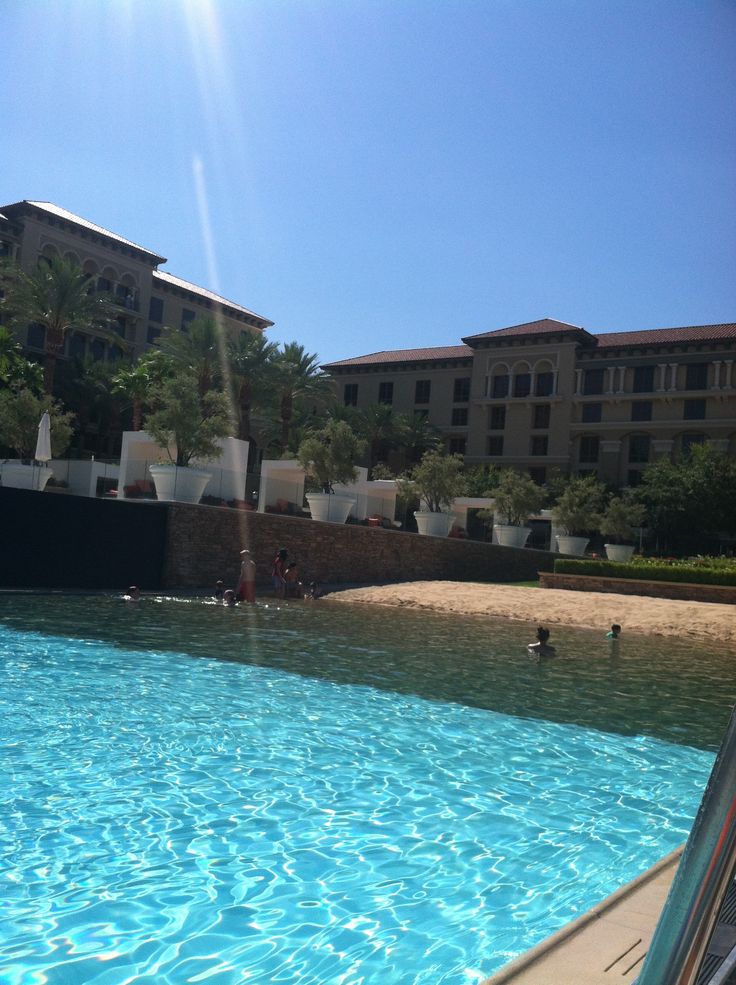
[542,647]
[614,632]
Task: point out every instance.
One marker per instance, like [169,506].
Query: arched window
[522,380]
[498,381]
[544,378]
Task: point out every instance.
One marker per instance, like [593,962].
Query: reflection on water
[667,688]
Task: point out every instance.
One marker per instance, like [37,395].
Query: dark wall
[51,540]
[204,543]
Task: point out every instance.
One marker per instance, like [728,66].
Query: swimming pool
[323,793]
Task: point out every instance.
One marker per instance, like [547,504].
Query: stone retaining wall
[203,544]
[634,586]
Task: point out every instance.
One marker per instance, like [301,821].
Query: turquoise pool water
[325,794]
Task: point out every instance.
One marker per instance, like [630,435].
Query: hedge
[650,572]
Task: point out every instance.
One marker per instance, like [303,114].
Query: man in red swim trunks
[246,590]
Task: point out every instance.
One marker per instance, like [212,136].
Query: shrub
[649,572]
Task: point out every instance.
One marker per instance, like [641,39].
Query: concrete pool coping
[608,942]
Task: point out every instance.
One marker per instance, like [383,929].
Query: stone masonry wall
[204,543]
[635,586]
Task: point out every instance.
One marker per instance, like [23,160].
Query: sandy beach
[555,607]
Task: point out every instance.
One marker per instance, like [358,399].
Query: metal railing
[690,914]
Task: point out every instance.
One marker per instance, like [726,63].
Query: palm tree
[250,358]
[299,378]
[56,295]
[377,426]
[416,435]
[200,349]
[135,381]
[15,369]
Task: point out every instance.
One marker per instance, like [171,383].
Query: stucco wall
[204,543]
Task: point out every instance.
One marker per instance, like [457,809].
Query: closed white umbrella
[43,445]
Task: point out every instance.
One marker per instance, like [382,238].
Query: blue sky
[376,174]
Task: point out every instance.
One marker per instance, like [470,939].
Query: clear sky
[377,174]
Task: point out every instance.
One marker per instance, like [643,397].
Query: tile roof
[539,327]
[406,356]
[668,336]
[203,292]
[71,217]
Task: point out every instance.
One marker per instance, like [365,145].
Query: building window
[156,310]
[495,444]
[589,449]
[545,383]
[500,386]
[350,395]
[154,333]
[593,381]
[457,446]
[522,384]
[694,410]
[541,415]
[385,393]
[644,379]
[187,316]
[459,417]
[36,336]
[688,440]
[639,449]
[634,478]
[114,353]
[696,376]
[421,391]
[104,286]
[77,346]
[592,413]
[539,444]
[461,392]
[497,420]
[97,350]
[538,475]
[641,410]
[119,326]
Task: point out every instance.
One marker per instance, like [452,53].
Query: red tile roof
[668,336]
[71,217]
[406,356]
[539,327]
[186,285]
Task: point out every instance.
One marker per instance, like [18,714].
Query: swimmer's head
[542,634]
[229,597]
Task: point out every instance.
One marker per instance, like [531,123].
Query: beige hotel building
[547,395]
[149,298]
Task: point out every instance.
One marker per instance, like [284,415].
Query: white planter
[511,536]
[619,552]
[434,524]
[18,476]
[330,507]
[175,484]
[571,545]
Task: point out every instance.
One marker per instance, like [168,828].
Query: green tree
[414,434]
[692,495]
[329,455]
[187,419]
[201,350]
[299,379]
[436,480]
[20,413]
[377,426]
[136,382]
[578,507]
[516,496]
[56,295]
[15,369]
[250,359]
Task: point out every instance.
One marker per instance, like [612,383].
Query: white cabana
[373,498]
[282,486]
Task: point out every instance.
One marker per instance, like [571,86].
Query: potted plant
[437,480]
[20,413]
[516,498]
[190,423]
[577,511]
[617,523]
[328,457]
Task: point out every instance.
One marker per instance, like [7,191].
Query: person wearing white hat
[246,588]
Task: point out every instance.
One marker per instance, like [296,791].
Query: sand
[557,607]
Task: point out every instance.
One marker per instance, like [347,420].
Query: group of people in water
[542,649]
[285,580]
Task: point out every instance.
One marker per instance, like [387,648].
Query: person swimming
[542,647]
[614,632]
[229,597]
[133,594]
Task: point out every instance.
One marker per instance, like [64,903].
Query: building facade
[547,395]
[149,298]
